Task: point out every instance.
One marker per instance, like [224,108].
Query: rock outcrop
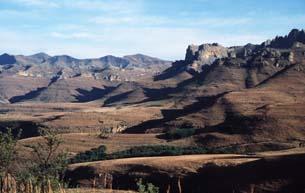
[287,41]
[205,54]
[249,96]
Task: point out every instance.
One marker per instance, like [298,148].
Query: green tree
[8,152]
[50,163]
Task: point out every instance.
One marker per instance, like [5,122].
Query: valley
[233,115]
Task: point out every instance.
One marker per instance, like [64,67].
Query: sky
[159,28]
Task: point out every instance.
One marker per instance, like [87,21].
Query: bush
[91,155]
[180,133]
[146,188]
[8,152]
[144,151]
[50,162]
[99,153]
[141,151]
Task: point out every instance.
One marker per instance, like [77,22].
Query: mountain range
[45,78]
[237,99]
[252,94]
[208,69]
[248,97]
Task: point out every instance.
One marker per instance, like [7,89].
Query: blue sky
[161,28]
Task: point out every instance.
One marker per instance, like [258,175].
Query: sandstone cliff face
[275,52]
[205,54]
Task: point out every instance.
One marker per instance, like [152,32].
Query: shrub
[146,188]
[140,151]
[143,151]
[8,153]
[50,163]
[91,155]
[180,133]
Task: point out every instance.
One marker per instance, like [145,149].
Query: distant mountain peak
[41,54]
[138,55]
[63,56]
[7,59]
[62,60]
[140,60]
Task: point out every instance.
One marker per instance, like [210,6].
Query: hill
[243,98]
[45,78]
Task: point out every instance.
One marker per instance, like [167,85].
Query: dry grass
[90,190]
[172,164]
[80,142]
[294,151]
[74,143]
[78,117]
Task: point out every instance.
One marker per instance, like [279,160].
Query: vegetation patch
[98,154]
[44,174]
[179,133]
[90,155]
[146,188]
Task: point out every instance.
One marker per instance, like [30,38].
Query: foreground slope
[198,173]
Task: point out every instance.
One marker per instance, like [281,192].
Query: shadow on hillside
[279,174]
[94,94]
[26,129]
[171,114]
[28,96]
[117,98]
[176,68]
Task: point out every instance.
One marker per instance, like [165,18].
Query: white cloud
[167,43]
[100,27]
[104,5]
[108,5]
[221,21]
[38,3]
[147,20]
[129,20]
[74,35]
[111,20]
[69,27]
